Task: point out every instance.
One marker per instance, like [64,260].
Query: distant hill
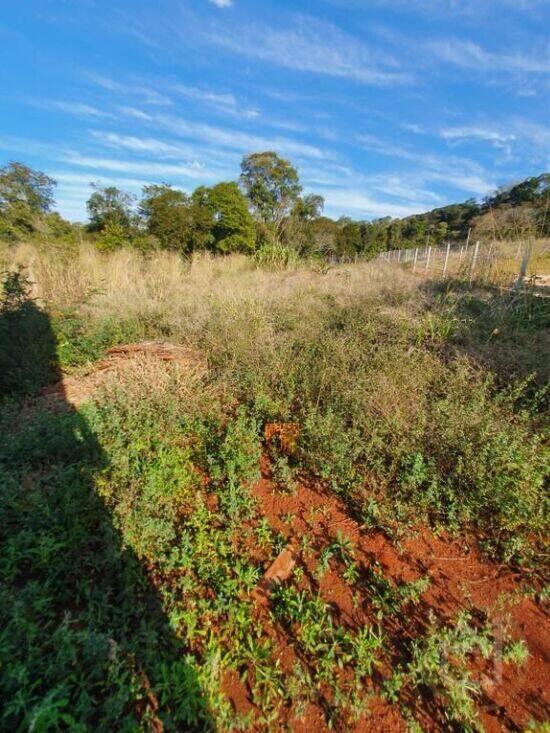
[511,212]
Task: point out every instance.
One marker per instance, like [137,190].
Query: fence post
[428,259]
[398,255]
[524,264]
[415,258]
[446,259]
[474,258]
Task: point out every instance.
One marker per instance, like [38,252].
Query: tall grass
[390,380]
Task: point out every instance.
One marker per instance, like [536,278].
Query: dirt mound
[74,390]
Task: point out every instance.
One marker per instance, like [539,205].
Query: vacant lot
[315,501]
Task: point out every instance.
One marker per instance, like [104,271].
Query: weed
[515,652]
[439,662]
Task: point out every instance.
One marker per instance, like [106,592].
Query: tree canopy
[109,206]
[266,207]
[271,184]
[168,216]
[25,196]
[233,225]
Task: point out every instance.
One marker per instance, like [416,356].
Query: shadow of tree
[84,642]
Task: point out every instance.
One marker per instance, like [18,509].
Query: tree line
[266,208]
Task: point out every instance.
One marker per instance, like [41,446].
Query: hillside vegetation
[383,438]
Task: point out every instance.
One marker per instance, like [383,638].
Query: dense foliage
[264,211]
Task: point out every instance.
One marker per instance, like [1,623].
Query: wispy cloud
[236,139]
[136,114]
[364,205]
[226,138]
[145,93]
[27,146]
[223,102]
[143,145]
[494,137]
[517,137]
[78,109]
[313,46]
[193,171]
[536,133]
[82,181]
[214,159]
[461,173]
[222,3]
[470,55]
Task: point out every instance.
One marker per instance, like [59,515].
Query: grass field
[331,516]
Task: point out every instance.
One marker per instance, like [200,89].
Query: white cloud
[476,132]
[215,159]
[144,92]
[222,3]
[226,103]
[237,140]
[29,147]
[470,55]
[413,127]
[537,134]
[137,114]
[363,205]
[496,138]
[72,108]
[461,173]
[463,182]
[81,182]
[519,138]
[193,170]
[313,46]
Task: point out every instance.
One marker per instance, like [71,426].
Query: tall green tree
[168,216]
[232,223]
[109,207]
[272,186]
[26,195]
[298,230]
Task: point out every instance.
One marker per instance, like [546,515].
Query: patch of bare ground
[75,390]
[460,578]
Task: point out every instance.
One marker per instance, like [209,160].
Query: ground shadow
[84,642]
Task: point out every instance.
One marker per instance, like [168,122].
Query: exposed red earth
[461,578]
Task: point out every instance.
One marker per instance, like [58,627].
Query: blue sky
[387,107]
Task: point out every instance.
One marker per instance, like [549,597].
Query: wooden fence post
[474,258]
[428,259]
[524,264]
[415,258]
[446,259]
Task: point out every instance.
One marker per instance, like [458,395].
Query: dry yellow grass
[125,282]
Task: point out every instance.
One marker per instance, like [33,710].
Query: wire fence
[507,264]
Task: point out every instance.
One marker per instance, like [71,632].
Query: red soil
[461,578]
[75,390]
